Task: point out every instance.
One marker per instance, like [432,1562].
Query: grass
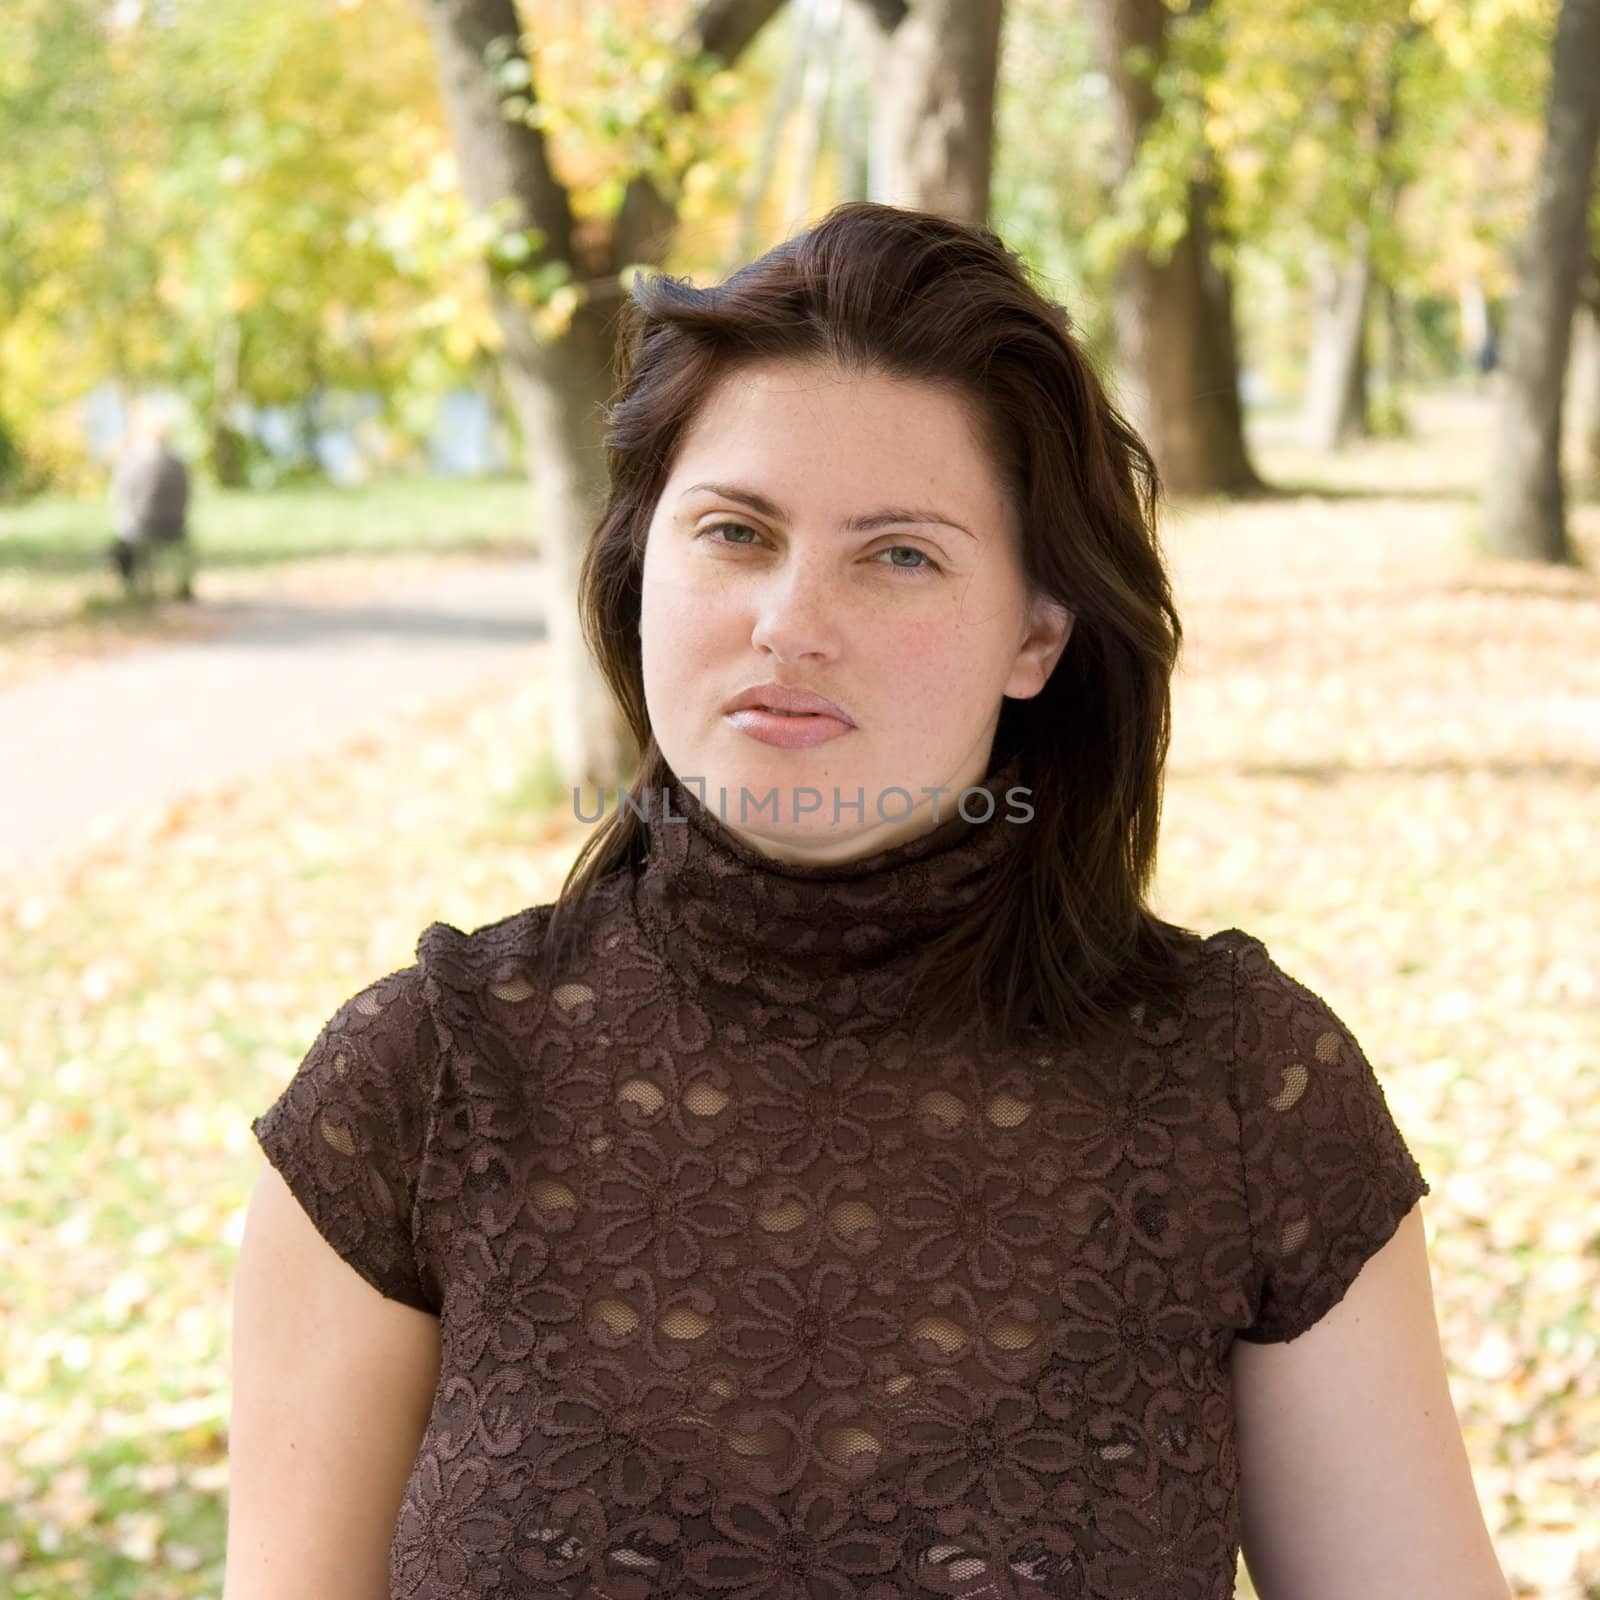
[53,537]
[61,601]
[1386,763]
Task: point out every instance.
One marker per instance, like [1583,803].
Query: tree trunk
[553,384]
[309,413]
[1585,373]
[558,385]
[936,136]
[558,390]
[1336,384]
[1397,368]
[225,447]
[1384,207]
[1346,286]
[1586,392]
[862,44]
[1174,319]
[816,94]
[1475,327]
[1525,503]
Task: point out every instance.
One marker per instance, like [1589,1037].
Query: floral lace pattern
[747,1290]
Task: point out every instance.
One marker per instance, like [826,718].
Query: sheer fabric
[749,1289]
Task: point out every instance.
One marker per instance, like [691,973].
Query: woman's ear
[1049,628]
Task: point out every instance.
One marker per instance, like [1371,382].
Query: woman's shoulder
[1203,964]
[513,962]
[1274,1020]
[1223,943]
[1213,959]
[1194,989]
[1247,967]
[1235,968]
[469,959]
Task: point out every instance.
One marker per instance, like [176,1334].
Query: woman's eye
[738,527]
[926,562]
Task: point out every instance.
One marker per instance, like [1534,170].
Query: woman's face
[849,536]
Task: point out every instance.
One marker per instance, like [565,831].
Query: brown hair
[1064,938]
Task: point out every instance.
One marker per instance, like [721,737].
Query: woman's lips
[788,732]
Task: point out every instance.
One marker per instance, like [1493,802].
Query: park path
[89,745]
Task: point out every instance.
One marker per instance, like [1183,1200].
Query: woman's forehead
[814,432]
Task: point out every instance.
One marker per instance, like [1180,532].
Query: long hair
[1063,937]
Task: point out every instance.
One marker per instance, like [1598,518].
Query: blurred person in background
[150,504]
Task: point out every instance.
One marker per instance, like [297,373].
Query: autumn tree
[1525,502]
[242,203]
[1174,292]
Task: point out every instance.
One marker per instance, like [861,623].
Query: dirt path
[88,746]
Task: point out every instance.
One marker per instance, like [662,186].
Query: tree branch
[888,14]
[499,157]
[645,219]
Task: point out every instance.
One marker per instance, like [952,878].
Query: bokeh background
[360,261]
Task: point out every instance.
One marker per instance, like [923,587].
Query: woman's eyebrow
[886,517]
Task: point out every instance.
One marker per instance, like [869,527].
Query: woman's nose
[797,613]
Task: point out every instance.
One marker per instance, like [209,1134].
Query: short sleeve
[347,1133]
[1327,1172]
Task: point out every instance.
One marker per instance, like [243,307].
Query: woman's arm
[333,1385]
[1354,1480]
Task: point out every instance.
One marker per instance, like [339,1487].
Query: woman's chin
[820,843]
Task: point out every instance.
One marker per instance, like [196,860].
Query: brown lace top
[748,1290]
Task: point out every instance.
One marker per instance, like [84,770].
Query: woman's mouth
[788,730]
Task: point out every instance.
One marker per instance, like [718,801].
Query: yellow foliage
[460,342]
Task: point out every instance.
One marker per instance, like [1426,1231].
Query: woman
[849,1187]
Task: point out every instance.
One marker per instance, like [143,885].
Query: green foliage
[609,95]
[612,92]
[246,201]
[252,202]
[1387,416]
[1052,148]
[1357,114]
[12,478]
[1414,122]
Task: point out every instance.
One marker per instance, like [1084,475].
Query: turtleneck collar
[754,934]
